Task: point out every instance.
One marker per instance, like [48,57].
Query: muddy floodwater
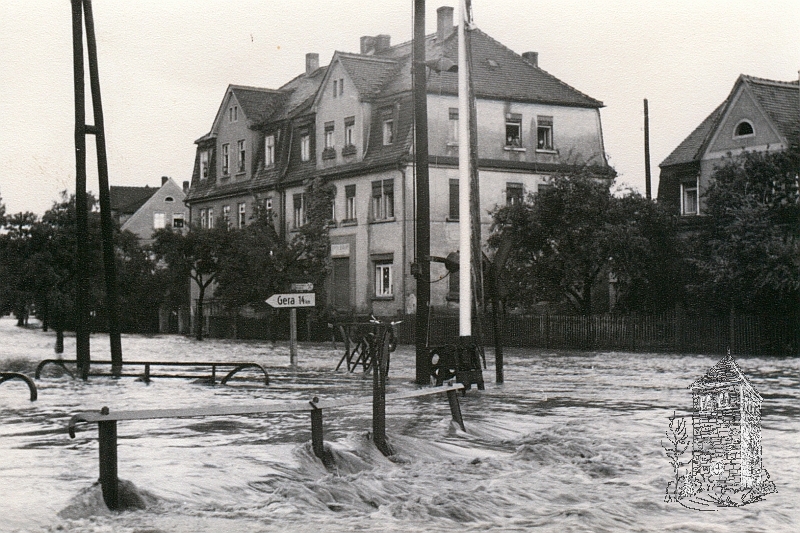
[570,442]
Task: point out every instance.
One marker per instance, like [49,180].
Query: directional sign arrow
[300,299]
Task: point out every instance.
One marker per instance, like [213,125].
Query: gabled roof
[127,200]
[500,73]
[780,100]
[693,146]
[368,73]
[256,103]
[726,371]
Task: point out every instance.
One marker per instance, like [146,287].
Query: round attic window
[169,199]
[743,128]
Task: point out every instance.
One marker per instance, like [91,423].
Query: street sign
[302,299]
[302,287]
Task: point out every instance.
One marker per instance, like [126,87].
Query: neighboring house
[758,115]
[142,210]
[350,122]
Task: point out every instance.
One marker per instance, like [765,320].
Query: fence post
[379,348]
[316,430]
[107,431]
[455,408]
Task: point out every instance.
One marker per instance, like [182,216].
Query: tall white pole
[465,252]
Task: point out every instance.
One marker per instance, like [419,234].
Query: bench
[107,425]
[7,376]
[147,373]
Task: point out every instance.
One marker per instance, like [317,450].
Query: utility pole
[647,152]
[422,269]
[106,227]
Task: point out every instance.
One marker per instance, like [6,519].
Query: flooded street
[571,442]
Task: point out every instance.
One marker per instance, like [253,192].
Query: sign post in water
[292,301]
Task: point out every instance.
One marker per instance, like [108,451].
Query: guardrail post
[379,348]
[147,373]
[107,431]
[213,374]
[455,408]
[316,431]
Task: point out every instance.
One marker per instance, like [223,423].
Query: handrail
[238,365]
[107,425]
[7,376]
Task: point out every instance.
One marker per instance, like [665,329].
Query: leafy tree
[260,263]
[568,238]
[196,254]
[748,254]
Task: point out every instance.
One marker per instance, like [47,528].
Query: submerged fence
[669,332]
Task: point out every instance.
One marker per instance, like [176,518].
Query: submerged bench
[107,425]
[148,372]
[7,376]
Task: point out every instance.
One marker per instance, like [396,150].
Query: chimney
[382,42]
[367,44]
[531,57]
[444,23]
[164,179]
[312,62]
[185,186]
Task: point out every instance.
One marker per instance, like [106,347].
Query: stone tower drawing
[726,432]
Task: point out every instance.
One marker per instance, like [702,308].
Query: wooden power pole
[82,12]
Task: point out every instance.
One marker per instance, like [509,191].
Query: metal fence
[670,332]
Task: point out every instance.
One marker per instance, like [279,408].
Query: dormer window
[689,198]
[305,145]
[743,129]
[203,164]
[388,131]
[269,150]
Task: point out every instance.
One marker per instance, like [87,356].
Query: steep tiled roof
[257,103]
[692,146]
[127,200]
[779,99]
[368,73]
[725,371]
[498,73]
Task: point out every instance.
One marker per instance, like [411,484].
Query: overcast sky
[165,65]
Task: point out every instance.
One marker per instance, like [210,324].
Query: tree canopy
[574,235]
[747,255]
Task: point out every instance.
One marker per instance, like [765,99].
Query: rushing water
[571,442]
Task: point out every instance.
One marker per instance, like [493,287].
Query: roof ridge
[253,88]
[353,55]
[765,81]
[477,29]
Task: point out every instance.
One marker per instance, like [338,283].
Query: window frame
[544,126]
[241,159]
[204,218]
[226,159]
[513,120]
[452,139]
[178,220]
[226,215]
[298,210]
[383,200]
[515,193]
[269,150]
[351,214]
[737,135]
[210,218]
[305,145]
[381,268]
[159,216]
[349,131]
[686,188]
[242,215]
[205,158]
